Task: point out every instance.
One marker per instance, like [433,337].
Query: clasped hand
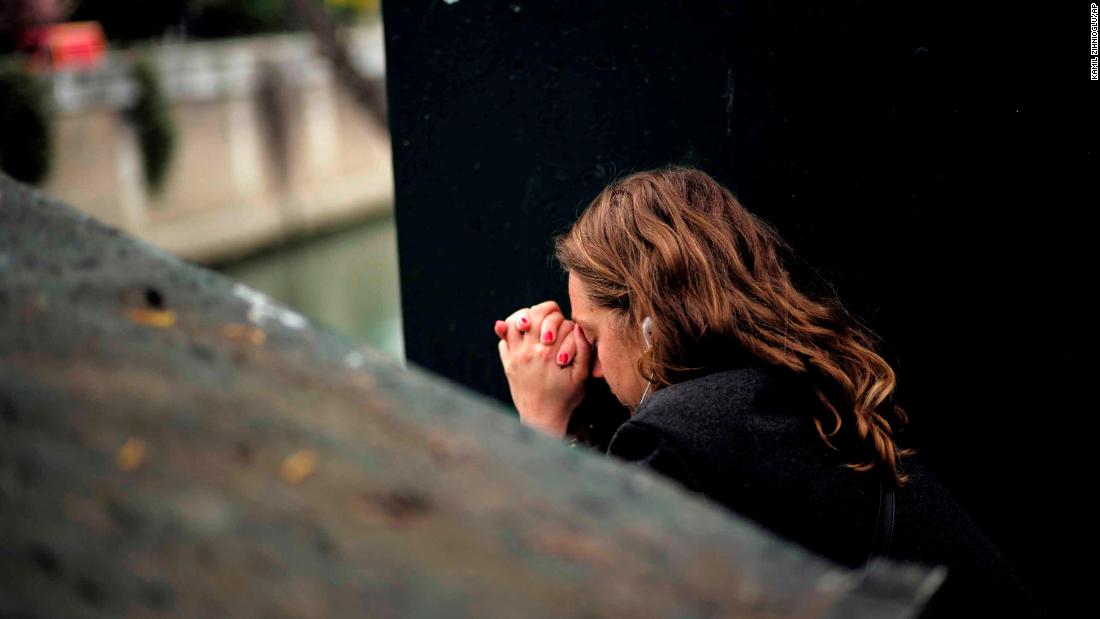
[546,360]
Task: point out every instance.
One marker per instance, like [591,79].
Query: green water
[345,280]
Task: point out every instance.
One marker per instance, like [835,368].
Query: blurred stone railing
[174,443]
[269,145]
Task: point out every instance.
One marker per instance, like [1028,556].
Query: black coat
[745,438]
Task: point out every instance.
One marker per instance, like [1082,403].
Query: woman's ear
[647,332]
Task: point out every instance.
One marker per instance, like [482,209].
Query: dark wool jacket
[745,438]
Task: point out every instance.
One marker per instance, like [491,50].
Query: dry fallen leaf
[130,455]
[298,466]
[152,317]
[571,545]
[245,333]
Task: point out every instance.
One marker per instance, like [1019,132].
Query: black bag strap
[884,523]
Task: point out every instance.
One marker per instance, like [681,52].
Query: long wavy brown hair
[676,245]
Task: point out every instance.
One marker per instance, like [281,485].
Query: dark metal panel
[931,159]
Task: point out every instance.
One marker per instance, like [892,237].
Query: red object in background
[72,45]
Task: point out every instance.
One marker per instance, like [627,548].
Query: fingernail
[548,337]
[523,323]
[563,358]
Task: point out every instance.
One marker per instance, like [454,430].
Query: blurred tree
[17,15]
[126,21]
[229,18]
[26,124]
[132,20]
[370,97]
[153,123]
[352,10]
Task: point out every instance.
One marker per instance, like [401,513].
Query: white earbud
[647,331]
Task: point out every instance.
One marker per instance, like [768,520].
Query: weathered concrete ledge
[172,443]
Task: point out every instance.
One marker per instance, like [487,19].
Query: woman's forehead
[582,310]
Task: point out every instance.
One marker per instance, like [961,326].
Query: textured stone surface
[172,443]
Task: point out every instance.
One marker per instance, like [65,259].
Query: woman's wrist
[552,426]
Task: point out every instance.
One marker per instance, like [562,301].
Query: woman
[740,386]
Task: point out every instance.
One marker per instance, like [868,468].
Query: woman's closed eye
[585,335]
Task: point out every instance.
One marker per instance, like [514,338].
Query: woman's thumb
[584,350]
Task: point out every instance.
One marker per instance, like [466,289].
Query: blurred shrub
[349,11]
[227,18]
[26,124]
[132,20]
[17,15]
[153,122]
[126,21]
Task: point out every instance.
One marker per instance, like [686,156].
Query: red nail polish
[548,337]
[563,358]
[523,323]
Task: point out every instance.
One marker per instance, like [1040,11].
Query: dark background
[932,161]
